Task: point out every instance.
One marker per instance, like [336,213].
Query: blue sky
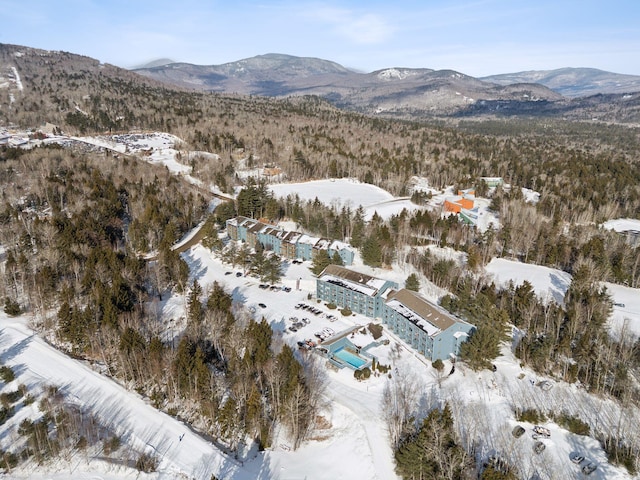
[480,37]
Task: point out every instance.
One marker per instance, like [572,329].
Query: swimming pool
[354,360]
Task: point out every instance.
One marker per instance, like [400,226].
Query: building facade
[425,326]
[287,244]
[358,292]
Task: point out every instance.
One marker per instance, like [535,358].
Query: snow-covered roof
[337,245]
[418,310]
[413,317]
[356,281]
[323,243]
[308,239]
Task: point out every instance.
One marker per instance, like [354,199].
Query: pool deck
[349,346]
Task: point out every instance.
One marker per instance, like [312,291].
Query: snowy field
[345,192]
[549,284]
[626,308]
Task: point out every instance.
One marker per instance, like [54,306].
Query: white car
[545,432]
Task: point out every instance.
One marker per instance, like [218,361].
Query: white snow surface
[355,444]
[344,192]
[622,224]
[139,425]
[626,308]
[551,284]
[530,196]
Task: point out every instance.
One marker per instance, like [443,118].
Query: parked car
[518,431]
[545,385]
[576,458]
[538,447]
[545,432]
[589,468]
[262,305]
[238,274]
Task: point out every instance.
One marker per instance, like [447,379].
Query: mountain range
[406,92]
[573,82]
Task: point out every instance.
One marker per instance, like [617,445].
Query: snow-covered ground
[344,192]
[626,308]
[551,284]
[622,224]
[353,443]
[140,426]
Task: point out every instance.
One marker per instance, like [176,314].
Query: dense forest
[88,239]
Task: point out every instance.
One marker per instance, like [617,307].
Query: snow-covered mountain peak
[394,74]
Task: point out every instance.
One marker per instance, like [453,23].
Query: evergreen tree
[357,228]
[183,365]
[412,282]
[253,198]
[218,299]
[258,343]
[320,261]
[258,263]
[195,310]
[272,269]
[481,348]
[209,231]
[224,212]
[371,252]
[336,259]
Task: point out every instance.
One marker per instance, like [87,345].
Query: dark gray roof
[423,308]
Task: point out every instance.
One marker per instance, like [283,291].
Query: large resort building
[287,244]
[425,326]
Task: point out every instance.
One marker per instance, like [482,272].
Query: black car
[238,274]
[262,305]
